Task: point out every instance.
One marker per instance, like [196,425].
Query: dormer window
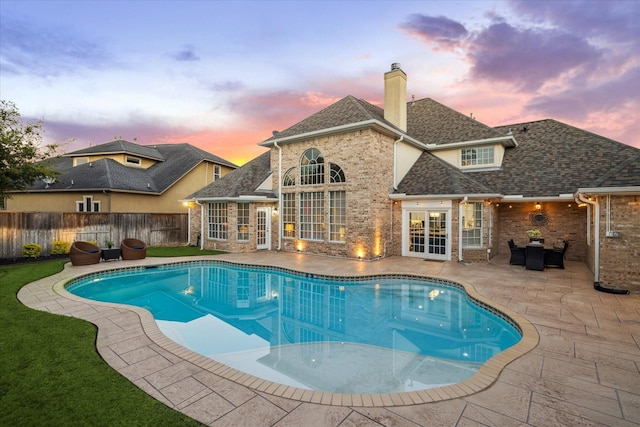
[77,161]
[132,161]
[478,156]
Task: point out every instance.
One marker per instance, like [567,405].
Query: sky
[223,75]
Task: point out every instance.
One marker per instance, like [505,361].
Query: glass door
[263,228]
[438,233]
[416,232]
[427,234]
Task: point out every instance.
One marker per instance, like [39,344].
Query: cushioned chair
[84,253]
[555,257]
[133,249]
[517,254]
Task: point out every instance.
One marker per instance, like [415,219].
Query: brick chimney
[395,96]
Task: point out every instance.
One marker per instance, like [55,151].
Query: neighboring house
[120,176]
[419,179]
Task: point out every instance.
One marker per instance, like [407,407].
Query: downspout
[188,225]
[279,194]
[201,224]
[460,228]
[596,249]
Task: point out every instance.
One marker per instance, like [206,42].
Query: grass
[51,373]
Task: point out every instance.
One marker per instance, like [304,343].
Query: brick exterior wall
[620,256]
[565,221]
[366,158]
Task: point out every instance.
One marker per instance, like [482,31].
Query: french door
[263,228]
[426,234]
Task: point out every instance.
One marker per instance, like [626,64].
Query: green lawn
[50,371]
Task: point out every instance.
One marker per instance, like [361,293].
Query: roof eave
[404,196]
[507,141]
[610,190]
[372,123]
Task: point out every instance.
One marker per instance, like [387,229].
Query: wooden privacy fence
[44,228]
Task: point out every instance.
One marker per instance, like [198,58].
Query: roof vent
[395,66]
[148,185]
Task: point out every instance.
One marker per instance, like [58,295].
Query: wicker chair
[84,253]
[555,257]
[133,249]
[517,254]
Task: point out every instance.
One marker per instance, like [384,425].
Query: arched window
[289,179]
[335,174]
[312,167]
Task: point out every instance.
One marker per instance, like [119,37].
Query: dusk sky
[223,75]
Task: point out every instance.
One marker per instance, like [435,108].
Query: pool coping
[481,380]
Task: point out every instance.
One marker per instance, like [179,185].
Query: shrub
[60,247]
[31,250]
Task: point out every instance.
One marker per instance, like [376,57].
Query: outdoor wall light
[538,206]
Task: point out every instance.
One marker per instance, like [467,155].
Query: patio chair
[133,249]
[517,254]
[555,257]
[84,253]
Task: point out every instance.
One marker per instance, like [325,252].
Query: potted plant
[109,243]
[535,236]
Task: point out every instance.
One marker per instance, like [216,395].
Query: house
[121,176]
[419,179]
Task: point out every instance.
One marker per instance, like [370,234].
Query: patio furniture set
[535,256]
[86,253]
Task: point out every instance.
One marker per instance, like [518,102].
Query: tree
[22,154]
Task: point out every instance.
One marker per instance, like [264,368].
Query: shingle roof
[348,110]
[430,122]
[433,176]
[107,174]
[551,158]
[120,146]
[241,182]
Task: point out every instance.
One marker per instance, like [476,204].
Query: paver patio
[585,369]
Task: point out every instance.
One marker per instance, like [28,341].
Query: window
[477,156]
[218,223]
[472,225]
[132,161]
[335,174]
[289,215]
[337,215]
[77,161]
[312,215]
[87,205]
[243,221]
[217,171]
[312,167]
[289,179]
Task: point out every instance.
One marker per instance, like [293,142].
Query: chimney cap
[395,66]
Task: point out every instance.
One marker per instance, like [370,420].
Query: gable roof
[433,123]
[174,161]
[119,147]
[242,182]
[551,159]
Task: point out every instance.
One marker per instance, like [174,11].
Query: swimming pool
[376,334]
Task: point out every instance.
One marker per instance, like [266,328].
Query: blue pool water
[371,335]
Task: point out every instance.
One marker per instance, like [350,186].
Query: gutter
[460,228]
[201,223]
[596,238]
[279,194]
